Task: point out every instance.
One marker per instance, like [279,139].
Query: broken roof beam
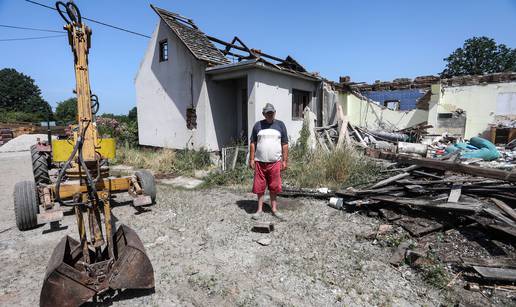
[254,51]
[459,168]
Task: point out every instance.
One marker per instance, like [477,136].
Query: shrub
[336,169]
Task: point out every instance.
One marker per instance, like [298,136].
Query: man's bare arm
[284,155]
[251,154]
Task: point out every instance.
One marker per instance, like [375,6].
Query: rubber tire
[147,183]
[26,205]
[39,166]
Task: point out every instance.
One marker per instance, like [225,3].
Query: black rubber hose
[63,170]
[77,147]
[60,4]
[74,15]
[94,104]
[73,12]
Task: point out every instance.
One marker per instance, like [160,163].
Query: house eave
[255,63]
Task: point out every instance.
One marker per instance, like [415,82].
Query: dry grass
[336,169]
[163,161]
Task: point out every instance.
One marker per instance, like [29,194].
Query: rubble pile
[435,187]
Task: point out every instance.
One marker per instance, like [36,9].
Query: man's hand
[251,164]
[284,165]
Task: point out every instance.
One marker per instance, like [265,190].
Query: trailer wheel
[39,166]
[26,205]
[146,181]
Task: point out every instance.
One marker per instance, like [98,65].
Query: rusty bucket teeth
[71,282]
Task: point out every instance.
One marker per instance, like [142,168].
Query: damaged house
[465,106]
[197,91]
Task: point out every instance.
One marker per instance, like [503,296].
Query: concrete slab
[22,142]
[182,182]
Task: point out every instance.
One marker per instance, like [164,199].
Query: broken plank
[428,204]
[343,130]
[416,229]
[492,263]
[359,136]
[460,168]
[355,192]
[455,192]
[499,216]
[496,273]
[427,174]
[389,180]
[328,138]
[505,208]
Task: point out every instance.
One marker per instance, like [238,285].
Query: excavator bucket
[68,282]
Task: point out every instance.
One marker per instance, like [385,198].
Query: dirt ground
[204,253]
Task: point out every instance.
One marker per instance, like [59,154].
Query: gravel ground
[204,253]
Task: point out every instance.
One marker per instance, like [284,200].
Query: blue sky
[367,40]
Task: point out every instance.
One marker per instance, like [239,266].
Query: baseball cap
[268,108]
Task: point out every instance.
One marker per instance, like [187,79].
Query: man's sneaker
[279,216]
[256,216]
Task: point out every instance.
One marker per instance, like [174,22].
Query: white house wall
[363,113]
[268,87]
[164,90]
[482,103]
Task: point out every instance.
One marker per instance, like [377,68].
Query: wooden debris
[418,229]
[399,254]
[389,215]
[264,227]
[491,263]
[389,180]
[503,206]
[496,273]
[455,193]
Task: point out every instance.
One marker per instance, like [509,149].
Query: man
[268,156]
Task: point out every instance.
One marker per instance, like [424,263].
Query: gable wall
[164,90]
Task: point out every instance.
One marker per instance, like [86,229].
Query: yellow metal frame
[62,149]
[112,185]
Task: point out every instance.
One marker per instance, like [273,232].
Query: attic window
[163,50]
[444,115]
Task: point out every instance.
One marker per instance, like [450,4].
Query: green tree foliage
[66,111]
[19,93]
[133,114]
[480,55]
[122,127]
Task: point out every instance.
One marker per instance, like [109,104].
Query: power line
[34,29]
[92,20]
[29,38]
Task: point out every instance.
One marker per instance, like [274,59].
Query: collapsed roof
[203,47]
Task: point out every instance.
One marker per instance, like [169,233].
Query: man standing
[268,156]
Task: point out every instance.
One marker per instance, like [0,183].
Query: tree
[19,93]
[133,114]
[480,55]
[66,111]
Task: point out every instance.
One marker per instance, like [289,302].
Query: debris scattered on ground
[453,200]
[264,241]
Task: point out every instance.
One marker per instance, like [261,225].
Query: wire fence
[233,157]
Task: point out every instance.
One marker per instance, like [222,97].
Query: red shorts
[267,175]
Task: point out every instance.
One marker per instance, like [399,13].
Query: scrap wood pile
[426,196]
